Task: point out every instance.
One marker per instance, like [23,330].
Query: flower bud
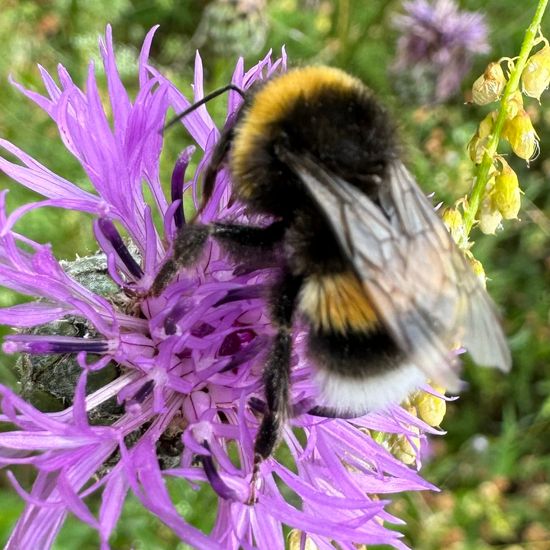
[489,86]
[536,75]
[522,136]
[506,194]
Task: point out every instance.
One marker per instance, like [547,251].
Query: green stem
[343,23]
[511,87]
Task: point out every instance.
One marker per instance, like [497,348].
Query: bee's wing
[475,314]
[419,282]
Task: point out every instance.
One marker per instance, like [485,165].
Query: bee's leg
[243,240]
[239,239]
[218,158]
[276,375]
[188,246]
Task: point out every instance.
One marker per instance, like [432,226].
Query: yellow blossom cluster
[498,194]
[428,407]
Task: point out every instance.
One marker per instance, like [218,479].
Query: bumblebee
[365,260]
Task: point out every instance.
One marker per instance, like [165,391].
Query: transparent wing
[419,282]
[475,319]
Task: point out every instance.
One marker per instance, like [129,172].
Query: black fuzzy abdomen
[355,355]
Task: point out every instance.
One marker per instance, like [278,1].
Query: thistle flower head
[232,26]
[186,365]
[438,42]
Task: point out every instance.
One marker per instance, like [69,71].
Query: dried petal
[477,147]
[478,143]
[486,125]
[489,86]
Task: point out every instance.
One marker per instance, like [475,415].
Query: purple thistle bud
[187,362]
[436,46]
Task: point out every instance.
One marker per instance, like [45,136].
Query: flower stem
[511,87]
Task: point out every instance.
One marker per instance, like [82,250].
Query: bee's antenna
[202,101]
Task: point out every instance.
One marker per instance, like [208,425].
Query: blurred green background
[493,466]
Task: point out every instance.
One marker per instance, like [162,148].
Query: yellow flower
[536,75]
[514,104]
[522,136]
[506,193]
[489,216]
[452,218]
[403,448]
[430,408]
[477,268]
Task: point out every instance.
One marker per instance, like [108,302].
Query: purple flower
[188,362]
[437,44]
